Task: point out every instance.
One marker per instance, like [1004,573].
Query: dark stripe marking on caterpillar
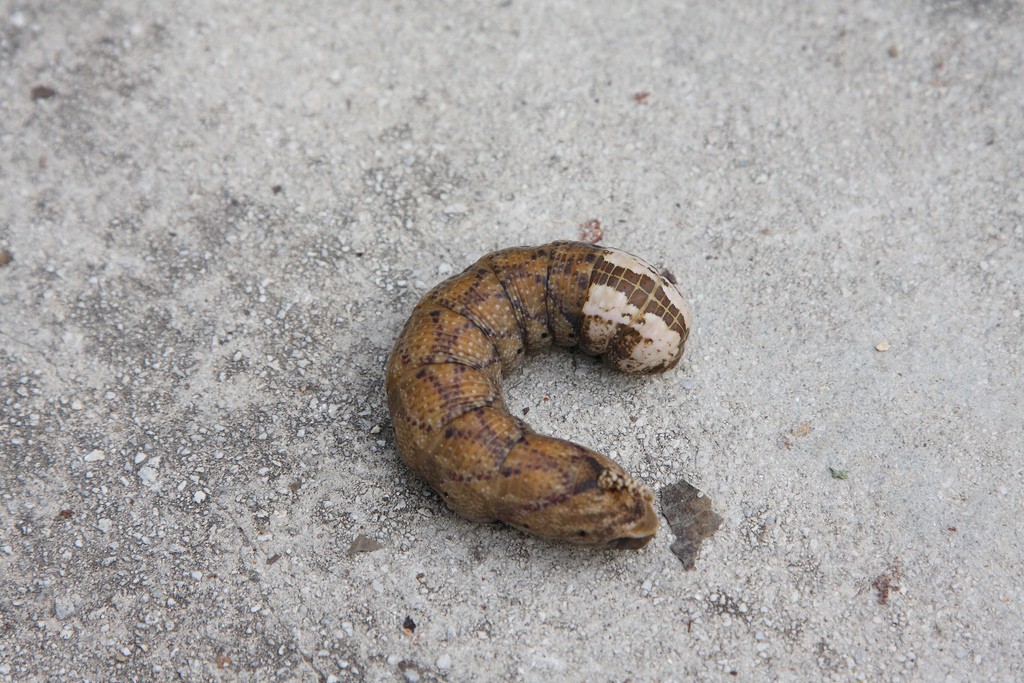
[444,386]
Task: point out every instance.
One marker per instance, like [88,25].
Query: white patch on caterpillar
[660,344]
[605,310]
[638,265]
[629,262]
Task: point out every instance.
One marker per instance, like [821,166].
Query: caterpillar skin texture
[444,386]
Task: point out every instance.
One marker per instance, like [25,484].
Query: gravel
[216,218]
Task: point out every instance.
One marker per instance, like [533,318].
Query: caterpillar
[444,386]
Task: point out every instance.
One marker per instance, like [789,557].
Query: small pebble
[94,455]
[148,475]
[63,608]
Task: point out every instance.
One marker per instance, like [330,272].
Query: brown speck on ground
[42,92]
[590,231]
[887,582]
[364,544]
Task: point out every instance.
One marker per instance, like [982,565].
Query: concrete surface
[219,215]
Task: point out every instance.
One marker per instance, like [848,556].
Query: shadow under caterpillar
[444,386]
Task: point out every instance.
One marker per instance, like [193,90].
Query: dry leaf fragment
[690,518]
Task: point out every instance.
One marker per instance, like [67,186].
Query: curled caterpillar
[444,386]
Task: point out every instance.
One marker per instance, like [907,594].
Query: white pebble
[148,475]
[63,607]
[444,662]
[94,455]
[199,496]
[104,525]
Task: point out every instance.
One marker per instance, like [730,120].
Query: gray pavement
[215,218]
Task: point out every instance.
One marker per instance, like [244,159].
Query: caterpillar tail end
[562,491]
[640,530]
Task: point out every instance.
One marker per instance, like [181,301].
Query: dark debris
[690,518]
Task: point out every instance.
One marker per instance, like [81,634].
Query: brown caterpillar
[444,386]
